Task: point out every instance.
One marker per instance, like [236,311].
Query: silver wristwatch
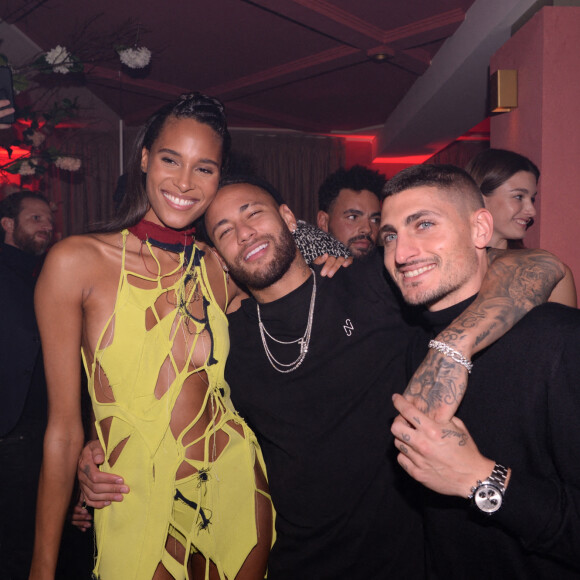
[487,495]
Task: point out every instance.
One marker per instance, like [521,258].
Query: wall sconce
[503,86]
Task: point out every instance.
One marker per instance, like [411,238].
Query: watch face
[488,498]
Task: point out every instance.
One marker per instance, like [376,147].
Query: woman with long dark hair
[509,183]
[145,304]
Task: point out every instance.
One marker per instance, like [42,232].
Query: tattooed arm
[515,282]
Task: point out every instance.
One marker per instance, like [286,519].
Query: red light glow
[17,152]
[409,160]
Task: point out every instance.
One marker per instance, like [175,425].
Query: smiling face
[252,235]
[512,208]
[434,246]
[31,230]
[183,171]
[353,219]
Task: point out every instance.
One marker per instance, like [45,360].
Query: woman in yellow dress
[146,303]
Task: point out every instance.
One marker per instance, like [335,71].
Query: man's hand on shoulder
[332,264]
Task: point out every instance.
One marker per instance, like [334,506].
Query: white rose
[68,163]
[26,168]
[59,58]
[37,138]
[135,57]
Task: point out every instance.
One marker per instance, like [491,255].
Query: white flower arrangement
[135,57]
[27,168]
[60,59]
[68,163]
[37,139]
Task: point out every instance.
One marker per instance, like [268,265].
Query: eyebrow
[523,190]
[410,219]
[359,212]
[241,209]
[173,152]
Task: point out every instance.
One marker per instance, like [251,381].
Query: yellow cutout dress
[211,511]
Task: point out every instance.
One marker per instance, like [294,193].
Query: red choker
[162,237]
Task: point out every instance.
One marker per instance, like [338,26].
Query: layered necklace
[303,341]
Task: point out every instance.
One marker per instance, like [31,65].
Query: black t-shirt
[340,497]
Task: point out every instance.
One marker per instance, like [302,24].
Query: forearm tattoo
[515,282]
[438,382]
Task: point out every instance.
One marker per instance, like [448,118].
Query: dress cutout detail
[184,487]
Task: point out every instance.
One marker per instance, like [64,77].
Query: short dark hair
[201,232]
[356,178]
[203,109]
[491,168]
[448,178]
[255,181]
[11,206]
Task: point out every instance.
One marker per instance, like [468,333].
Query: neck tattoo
[303,341]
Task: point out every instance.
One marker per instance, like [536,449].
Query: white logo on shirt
[348,327]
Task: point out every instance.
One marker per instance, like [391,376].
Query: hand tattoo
[463,438]
[404,449]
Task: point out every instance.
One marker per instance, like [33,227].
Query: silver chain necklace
[303,341]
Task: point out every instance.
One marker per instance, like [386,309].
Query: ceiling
[306,65]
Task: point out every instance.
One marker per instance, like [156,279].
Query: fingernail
[124,489]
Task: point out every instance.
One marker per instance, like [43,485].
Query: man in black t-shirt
[312,368]
[522,405]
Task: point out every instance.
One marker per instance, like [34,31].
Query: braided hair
[203,109]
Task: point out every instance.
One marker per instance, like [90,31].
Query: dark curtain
[295,164]
[85,198]
[459,153]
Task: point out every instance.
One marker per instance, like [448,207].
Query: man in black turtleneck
[521,408]
[26,226]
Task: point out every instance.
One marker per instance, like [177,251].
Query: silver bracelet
[445,349]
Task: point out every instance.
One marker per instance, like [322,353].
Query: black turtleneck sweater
[522,408]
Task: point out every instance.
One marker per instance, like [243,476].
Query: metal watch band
[487,495]
[498,476]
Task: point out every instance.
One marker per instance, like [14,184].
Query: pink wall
[546,125]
